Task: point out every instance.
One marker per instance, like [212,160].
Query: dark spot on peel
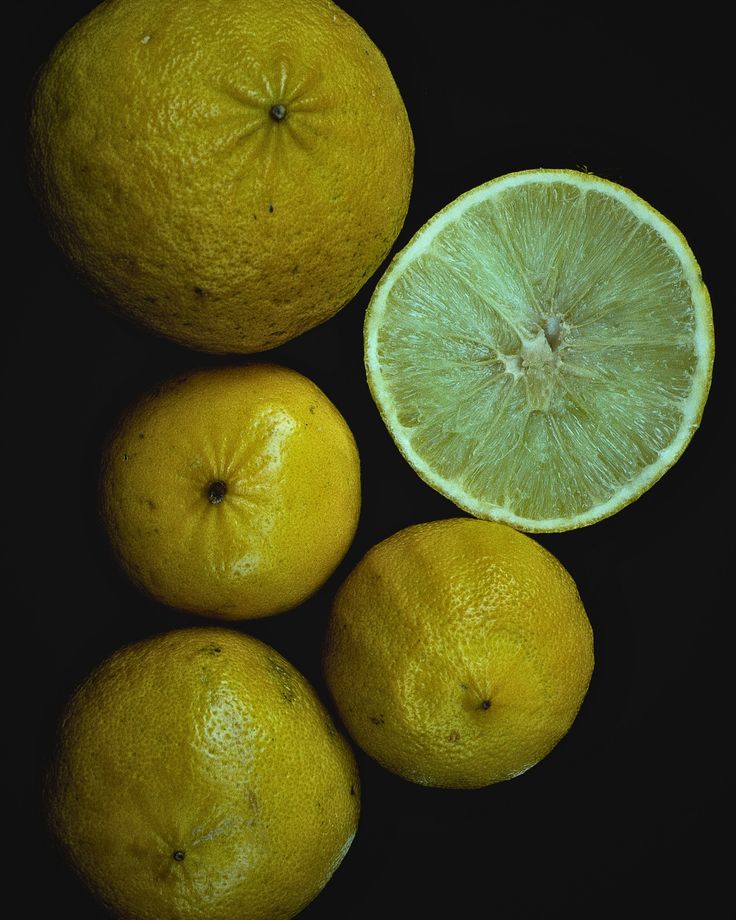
[216,491]
[285,679]
[486,704]
[198,291]
[377,720]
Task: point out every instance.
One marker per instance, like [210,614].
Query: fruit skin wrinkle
[542,354]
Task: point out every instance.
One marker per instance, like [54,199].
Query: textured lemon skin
[208,744]
[291,472]
[184,203]
[458,653]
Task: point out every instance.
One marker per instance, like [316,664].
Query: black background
[626,815]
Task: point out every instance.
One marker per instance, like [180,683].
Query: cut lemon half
[541,351]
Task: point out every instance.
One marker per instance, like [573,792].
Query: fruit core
[278,112]
[537,360]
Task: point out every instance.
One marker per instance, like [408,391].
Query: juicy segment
[541,351]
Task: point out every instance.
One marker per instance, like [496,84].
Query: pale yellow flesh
[541,351]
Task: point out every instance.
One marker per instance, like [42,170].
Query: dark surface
[625,815]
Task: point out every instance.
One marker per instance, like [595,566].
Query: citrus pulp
[541,350]
[198,776]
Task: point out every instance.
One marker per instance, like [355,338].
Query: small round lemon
[198,776]
[458,653]
[231,492]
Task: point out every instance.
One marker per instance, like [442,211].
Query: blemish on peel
[146,39]
[246,563]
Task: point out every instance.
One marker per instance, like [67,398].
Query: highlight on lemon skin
[541,351]
[231,492]
[198,775]
[258,176]
[458,653]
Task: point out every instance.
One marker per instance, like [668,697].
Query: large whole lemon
[231,492]
[458,652]
[198,776]
[227,173]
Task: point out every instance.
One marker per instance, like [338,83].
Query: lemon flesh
[542,349]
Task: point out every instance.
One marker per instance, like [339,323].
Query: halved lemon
[541,351]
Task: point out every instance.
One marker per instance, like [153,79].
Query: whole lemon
[228,174]
[458,652]
[198,776]
[231,492]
